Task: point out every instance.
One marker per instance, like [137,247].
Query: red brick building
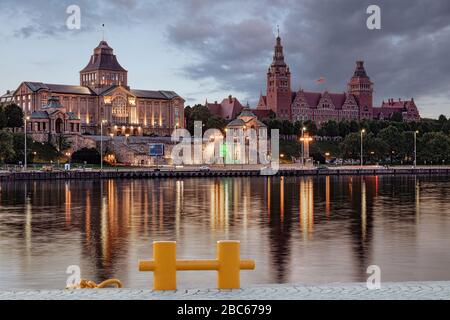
[354,104]
[228,109]
[103,94]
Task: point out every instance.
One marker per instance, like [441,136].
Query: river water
[298,229]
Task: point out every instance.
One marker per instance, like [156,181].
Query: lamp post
[25,144]
[303,145]
[415,148]
[362,157]
[101,144]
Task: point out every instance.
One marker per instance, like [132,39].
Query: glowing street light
[415,148]
[101,144]
[362,159]
[25,145]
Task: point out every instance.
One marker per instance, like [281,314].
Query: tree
[44,152]
[354,126]
[393,139]
[19,149]
[2,117]
[90,156]
[344,128]
[6,146]
[434,147]
[14,116]
[287,128]
[329,129]
[62,143]
[216,122]
[442,119]
[311,127]
[351,146]
[397,117]
[196,113]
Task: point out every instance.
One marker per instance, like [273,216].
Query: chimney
[230,98]
[215,102]
[8,91]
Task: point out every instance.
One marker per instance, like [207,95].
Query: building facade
[104,95]
[354,104]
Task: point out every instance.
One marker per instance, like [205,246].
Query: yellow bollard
[228,265]
[228,256]
[163,265]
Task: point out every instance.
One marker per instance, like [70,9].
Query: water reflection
[310,229]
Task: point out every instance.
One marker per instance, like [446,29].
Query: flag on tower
[320,80]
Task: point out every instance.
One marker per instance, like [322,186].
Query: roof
[72,116]
[338,99]
[312,98]
[236,123]
[246,112]
[149,94]
[39,115]
[229,108]
[103,59]
[59,88]
[398,103]
[53,103]
[261,113]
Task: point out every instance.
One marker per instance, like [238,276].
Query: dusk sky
[212,48]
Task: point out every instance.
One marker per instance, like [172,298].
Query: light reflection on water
[298,229]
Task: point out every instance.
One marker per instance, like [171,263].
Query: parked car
[205,169]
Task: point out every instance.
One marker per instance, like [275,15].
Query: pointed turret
[362,88]
[279,95]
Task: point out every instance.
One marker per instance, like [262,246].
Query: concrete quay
[336,291]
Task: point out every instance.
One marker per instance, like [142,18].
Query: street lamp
[362,159]
[415,148]
[101,144]
[303,145]
[25,144]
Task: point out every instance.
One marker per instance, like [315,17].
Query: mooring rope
[88,284]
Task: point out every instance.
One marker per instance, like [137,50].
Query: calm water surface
[298,229]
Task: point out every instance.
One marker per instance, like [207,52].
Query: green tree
[6,146]
[354,126]
[62,143]
[434,147]
[329,129]
[393,139]
[44,152]
[90,156]
[351,146]
[14,116]
[397,117]
[19,149]
[3,120]
[311,127]
[344,128]
[215,122]
[287,128]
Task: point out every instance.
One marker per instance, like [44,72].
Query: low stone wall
[147,174]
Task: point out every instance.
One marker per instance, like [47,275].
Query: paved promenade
[351,291]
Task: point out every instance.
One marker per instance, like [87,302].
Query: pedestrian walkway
[388,291]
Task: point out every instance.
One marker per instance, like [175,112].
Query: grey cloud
[408,57]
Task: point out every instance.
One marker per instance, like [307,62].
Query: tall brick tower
[279,96]
[362,88]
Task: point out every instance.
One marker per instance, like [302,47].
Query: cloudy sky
[212,48]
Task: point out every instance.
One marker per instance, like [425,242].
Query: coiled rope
[88,284]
